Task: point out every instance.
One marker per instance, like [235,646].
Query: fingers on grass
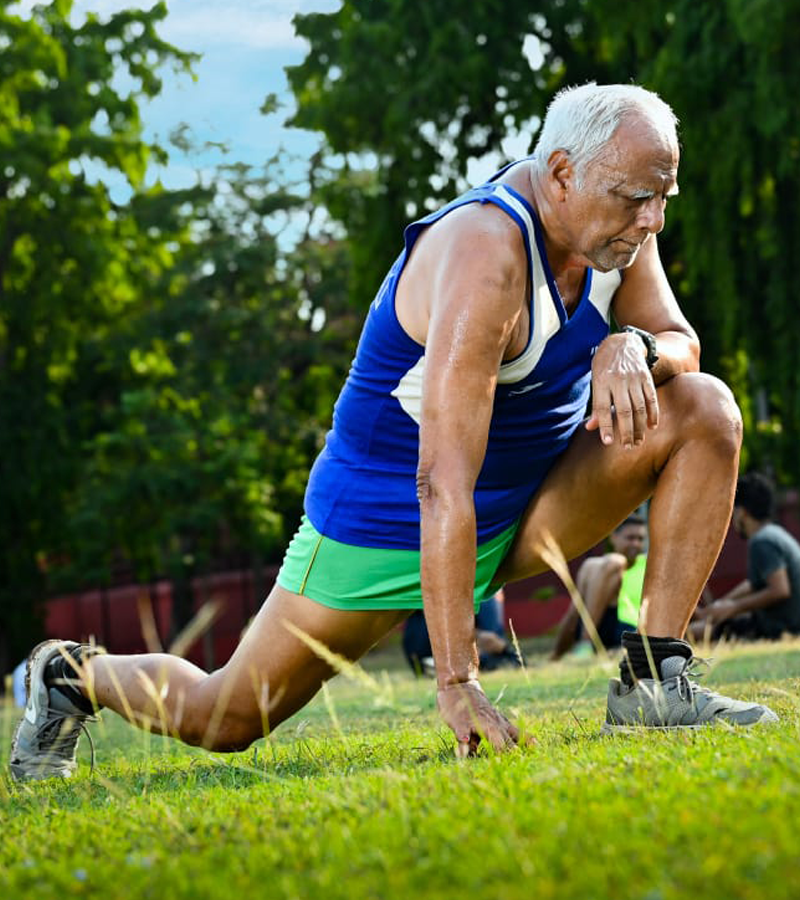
[463,750]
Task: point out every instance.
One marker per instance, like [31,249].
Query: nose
[651,214]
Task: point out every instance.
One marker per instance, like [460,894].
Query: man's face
[622,199]
[629,541]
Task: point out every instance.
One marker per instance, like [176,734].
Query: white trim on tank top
[545,320]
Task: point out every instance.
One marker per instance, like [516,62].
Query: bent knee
[208,722]
[704,406]
[226,733]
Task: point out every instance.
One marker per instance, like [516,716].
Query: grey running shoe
[46,740]
[675,702]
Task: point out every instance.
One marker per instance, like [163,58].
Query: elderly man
[459,442]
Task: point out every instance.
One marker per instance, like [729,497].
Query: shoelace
[686,687]
[59,735]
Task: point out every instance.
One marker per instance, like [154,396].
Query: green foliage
[373,803]
[69,259]
[407,94]
[168,364]
[729,70]
[164,378]
[225,382]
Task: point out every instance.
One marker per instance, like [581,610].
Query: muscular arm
[476,291]
[462,295]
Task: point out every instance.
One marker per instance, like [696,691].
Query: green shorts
[343,576]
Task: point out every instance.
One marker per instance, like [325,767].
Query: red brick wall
[112,616]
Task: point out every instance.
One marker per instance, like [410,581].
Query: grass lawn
[360,796]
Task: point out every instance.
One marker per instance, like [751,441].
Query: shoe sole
[638,729]
[35,658]
[609,729]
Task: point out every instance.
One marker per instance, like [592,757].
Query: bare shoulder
[478,220]
[478,236]
[474,254]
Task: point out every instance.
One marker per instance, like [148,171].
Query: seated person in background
[18,684]
[611,588]
[494,650]
[767,603]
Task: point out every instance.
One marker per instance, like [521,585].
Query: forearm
[447,569]
[757,600]
[677,352]
[741,590]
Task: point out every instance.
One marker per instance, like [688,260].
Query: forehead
[638,157]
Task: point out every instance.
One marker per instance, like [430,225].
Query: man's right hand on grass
[467,710]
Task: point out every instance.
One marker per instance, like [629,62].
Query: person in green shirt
[611,588]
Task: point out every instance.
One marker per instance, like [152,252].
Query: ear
[561,172]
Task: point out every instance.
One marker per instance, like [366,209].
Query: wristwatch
[649,342]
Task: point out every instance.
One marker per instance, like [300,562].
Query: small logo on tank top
[526,388]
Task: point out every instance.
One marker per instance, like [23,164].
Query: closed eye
[641,199]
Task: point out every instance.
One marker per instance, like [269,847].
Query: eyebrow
[645,194]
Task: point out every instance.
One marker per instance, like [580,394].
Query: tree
[729,69]
[407,94]
[69,258]
[224,380]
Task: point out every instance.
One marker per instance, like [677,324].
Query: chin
[616,260]
[609,262]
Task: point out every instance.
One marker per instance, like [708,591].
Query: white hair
[582,120]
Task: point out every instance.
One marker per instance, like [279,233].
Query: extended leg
[272,674]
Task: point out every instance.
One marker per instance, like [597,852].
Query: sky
[245,45]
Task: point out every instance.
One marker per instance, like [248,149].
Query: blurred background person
[611,588]
[494,649]
[767,603]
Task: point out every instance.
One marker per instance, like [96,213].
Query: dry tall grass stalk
[197,626]
[518,651]
[326,696]
[147,622]
[384,694]
[218,712]
[551,553]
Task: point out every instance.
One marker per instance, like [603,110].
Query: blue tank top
[362,487]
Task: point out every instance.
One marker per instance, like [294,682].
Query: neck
[755,525]
[556,237]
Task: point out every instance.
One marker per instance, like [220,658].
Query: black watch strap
[649,342]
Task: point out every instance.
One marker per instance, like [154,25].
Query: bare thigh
[590,490]
[593,487]
[274,672]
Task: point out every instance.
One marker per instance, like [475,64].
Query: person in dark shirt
[767,603]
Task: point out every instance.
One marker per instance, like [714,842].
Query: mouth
[630,246]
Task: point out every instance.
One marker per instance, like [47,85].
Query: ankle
[642,653]
[65,675]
